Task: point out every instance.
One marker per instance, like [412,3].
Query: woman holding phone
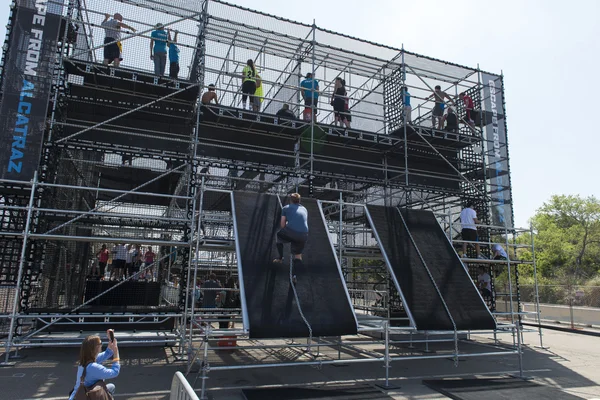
[90,358]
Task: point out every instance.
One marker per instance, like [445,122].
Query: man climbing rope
[294,230]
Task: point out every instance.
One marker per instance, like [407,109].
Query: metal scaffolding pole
[14,314]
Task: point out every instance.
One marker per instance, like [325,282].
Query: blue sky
[548,51]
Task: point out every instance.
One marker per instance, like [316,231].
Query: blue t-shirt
[173,53]
[406,98]
[308,85]
[296,216]
[160,41]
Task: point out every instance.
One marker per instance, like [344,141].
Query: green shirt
[248,74]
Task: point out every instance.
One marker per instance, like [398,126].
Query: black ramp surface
[496,389]
[353,393]
[272,308]
[419,292]
[466,306]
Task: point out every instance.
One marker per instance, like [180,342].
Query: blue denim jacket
[96,371]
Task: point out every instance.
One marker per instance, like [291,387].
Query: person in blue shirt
[158,49]
[294,230]
[90,357]
[310,94]
[173,55]
[407,107]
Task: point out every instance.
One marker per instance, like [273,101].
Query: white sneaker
[482,257]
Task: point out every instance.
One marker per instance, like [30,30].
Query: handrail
[310,331]
[181,388]
[437,289]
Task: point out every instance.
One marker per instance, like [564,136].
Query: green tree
[567,237]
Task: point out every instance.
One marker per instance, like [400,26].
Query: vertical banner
[496,149]
[26,85]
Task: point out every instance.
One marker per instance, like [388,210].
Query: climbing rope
[310,332]
[437,289]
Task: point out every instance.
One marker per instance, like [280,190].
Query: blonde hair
[88,351]
[295,198]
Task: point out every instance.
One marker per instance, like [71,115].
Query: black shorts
[102,266]
[296,239]
[486,293]
[248,88]
[111,51]
[438,110]
[499,258]
[118,264]
[309,101]
[173,69]
[470,115]
[470,235]
[339,108]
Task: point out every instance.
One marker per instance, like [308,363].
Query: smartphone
[111,335]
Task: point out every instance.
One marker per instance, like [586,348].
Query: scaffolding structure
[131,157]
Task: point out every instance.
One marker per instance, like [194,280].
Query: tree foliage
[567,238]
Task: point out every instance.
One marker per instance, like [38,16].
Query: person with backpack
[92,373]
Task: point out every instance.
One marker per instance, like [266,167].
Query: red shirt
[103,257]
[149,257]
[468,102]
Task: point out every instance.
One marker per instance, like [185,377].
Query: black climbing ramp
[270,302]
[456,287]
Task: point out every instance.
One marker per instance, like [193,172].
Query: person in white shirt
[468,220]
[484,283]
[119,259]
[498,252]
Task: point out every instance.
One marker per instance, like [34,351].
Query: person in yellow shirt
[258,94]
[249,78]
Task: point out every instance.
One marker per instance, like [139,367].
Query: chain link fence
[567,295]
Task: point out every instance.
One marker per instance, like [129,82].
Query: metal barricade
[181,388]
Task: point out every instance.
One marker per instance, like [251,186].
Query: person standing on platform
[468,220]
[173,55]
[406,103]
[438,109]
[469,108]
[149,262]
[232,300]
[119,260]
[248,84]
[210,291]
[294,230]
[210,95]
[451,121]
[158,49]
[484,283]
[310,94]
[338,101]
[347,115]
[258,94]
[498,252]
[102,255]
[129,261]
[112,36]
